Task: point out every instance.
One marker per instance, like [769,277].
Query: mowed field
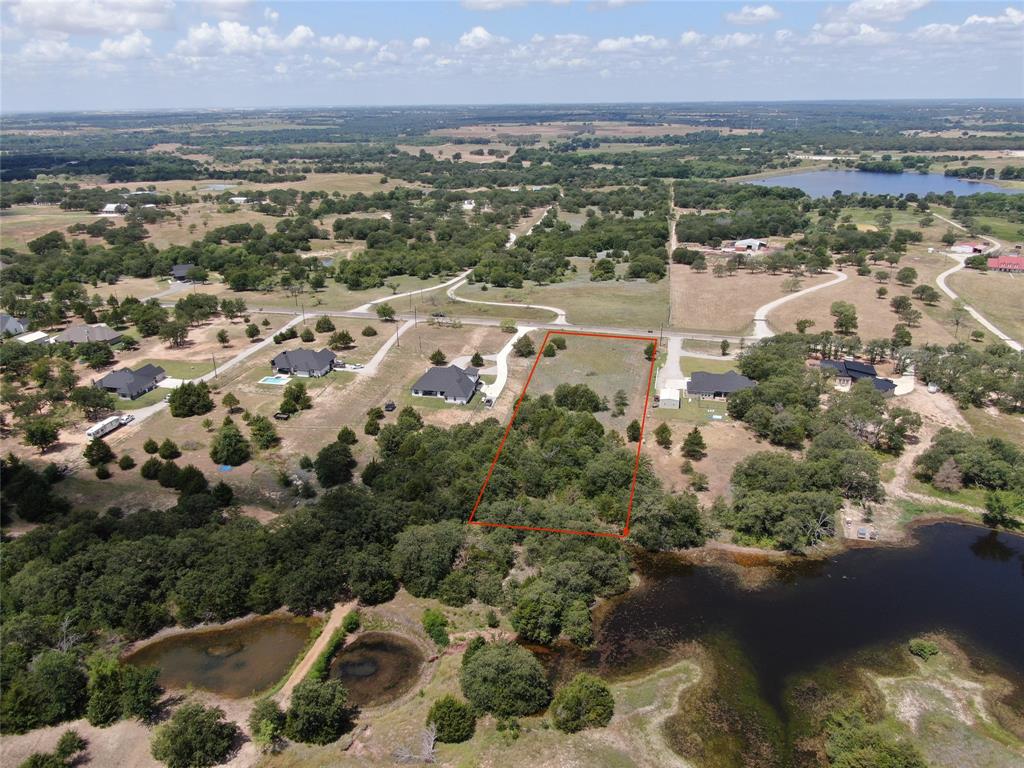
[21,223]
[703,302]
[875,317]
[634,304]
[345,183]
[999,296]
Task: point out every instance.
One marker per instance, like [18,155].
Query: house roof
[80,334]
[449,380]
[304,359]
[883,385]
[852,368]
[181,270]
[32,337]
[132,383]
[12,325]
[702,382]
[1006,262]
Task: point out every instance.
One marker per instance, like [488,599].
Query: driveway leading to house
[559,313]
[368,307]
[501,365]
[761,329]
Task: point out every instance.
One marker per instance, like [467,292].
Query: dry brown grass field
[21,223]
[703,302]
[999,296]
[875,317]
[345,183]
[601,129]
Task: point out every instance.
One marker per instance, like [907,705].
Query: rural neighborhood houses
[128,384]
[848,372]
[717,386]
[968,247]
[82,333]
[115,209]
[304,362]
[450,383]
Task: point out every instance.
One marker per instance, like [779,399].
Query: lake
[960,579]
[824,183]
[235,661]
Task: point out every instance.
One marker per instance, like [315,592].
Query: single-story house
[468,205]
[668,398]
[1007,263]
[848,372]
[128,384]
[304,362]
[35,337]
[968,247]
[180,272]
[717,386]
[81,333]
[11,326]
[451,383]
[115,208]
[238,200]
[750,244]
[606,254]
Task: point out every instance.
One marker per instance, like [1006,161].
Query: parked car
[282,416]
[355,366]
[127,419]
[389,406]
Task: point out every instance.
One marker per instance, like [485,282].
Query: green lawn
[182,369]
[691,364]
[150,398]
[693,411]
[973,496]
[1006,426]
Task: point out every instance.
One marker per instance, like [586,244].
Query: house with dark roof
[81,333]
[849,372]
[11,326]
[304,362]
[128,384]
[717,386]
[450,383]
[180,272]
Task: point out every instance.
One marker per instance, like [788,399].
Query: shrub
[558,341]
[151,468]
[318,713]
[347,436]
[307,335]
[229,447]
[168,475]
[454,720]
[102,472]
[435,624]
[923,649]
[266,723]
[333,465]
[524,347]
[169,450]
[324,324]
[586,702]
[191,400]
[126,462]
[369,331]
[351,621]
[195,736]
[97,452]
[150,446]
[506,680]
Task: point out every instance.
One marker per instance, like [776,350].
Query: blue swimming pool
[279,379]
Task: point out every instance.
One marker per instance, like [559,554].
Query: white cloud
[882,10]
[232,38]
[349,43]
[848,33]
[616,44]
[1012,17]
[478,38]
[231,10]
[52,48]
[134,45]
[751,14]
[271,15]
[421,43]
[92,16]
[735,40]
[491,5]
[691,37]
[784,35]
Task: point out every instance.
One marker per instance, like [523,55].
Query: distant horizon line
[484,105]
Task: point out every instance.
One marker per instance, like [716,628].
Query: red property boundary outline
[511,421]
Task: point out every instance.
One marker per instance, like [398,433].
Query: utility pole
[214,358]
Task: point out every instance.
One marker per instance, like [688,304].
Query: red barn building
[1007,263]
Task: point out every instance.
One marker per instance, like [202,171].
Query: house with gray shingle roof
[450,383]
[81,333]
[128,384]
[304,362]
[717,386]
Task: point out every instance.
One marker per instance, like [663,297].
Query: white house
[238,200]
[115,209]
[468,205]
[750,244]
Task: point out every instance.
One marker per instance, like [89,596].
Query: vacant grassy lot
[703,302]
[875,317]
[427,304]
[21,223]
[999,296]
[620,303]
[345,183]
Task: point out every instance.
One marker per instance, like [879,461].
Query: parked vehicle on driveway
[389,406]
[281,416]
[104,427]
[127,418]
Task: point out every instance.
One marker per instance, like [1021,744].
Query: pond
[824,183]
[235,661]
[377,668]
[959,579]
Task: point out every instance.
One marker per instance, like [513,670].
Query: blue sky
[139,54]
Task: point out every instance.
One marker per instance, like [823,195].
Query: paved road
[994,245]
[558,312]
